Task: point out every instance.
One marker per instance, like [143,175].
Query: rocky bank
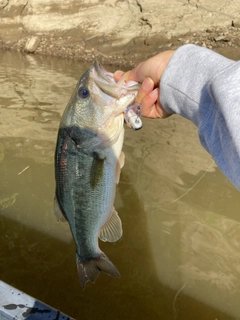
[117,32]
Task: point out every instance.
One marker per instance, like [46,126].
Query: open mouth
[105,81]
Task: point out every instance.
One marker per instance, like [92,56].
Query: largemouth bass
[88,160]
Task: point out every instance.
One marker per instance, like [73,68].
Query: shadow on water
[179,254]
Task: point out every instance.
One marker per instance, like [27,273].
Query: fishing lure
[133,117]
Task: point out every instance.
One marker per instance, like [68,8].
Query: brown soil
[70,45]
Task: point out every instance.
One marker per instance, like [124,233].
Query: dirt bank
[139,48]
[121,33]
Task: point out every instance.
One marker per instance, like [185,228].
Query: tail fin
[89,270]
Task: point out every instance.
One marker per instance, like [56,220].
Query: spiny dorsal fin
[112,230]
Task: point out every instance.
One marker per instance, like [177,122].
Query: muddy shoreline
[72,46]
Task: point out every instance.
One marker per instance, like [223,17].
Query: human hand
[149,73]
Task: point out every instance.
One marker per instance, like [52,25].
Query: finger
[118,75]
[151,107]
[146,87]
[149,103]
[128,76]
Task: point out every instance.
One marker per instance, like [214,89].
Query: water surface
[179,256]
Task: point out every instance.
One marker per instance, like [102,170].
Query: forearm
[204,87]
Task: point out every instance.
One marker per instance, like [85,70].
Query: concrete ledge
[15,304]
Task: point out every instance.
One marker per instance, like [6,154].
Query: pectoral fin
[120,164]
[58,212]
[96,171]
[112,230]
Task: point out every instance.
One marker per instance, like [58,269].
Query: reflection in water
[179,255]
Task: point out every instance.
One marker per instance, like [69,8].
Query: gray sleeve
[204,87]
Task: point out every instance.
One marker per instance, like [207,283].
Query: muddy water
[179,256]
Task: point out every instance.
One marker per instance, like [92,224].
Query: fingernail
[154,93]
[147,84]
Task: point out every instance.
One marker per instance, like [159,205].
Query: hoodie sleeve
[204,87]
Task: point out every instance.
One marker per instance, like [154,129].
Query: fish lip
[102,72]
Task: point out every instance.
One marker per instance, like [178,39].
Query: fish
[88,161]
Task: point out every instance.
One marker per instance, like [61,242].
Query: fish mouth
[104,79]
[116,97]
[103,72]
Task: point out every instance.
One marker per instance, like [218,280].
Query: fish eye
[83,93]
